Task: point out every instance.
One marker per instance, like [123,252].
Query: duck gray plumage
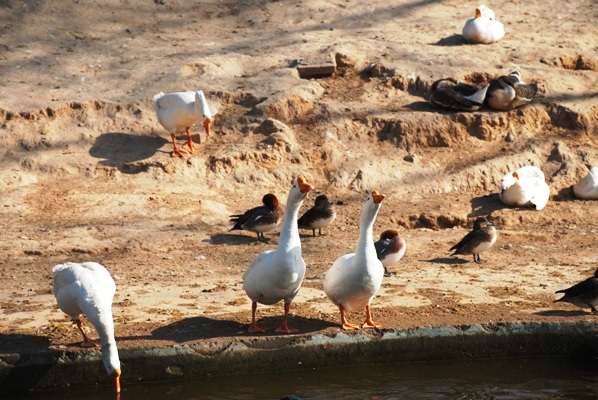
[508,92]
[319,216]
[481,238]
[451,94]
[390,248]
[583,294]
[259,219]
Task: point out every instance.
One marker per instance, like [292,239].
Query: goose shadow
[486,205]
[447,260]
[235,239]
[36,359]
[562,313]
[196,328]
[117,149]
[424,106]
[453,40]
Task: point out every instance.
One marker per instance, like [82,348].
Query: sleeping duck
[508,92]
[454,95]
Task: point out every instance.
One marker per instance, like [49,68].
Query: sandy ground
[86,171]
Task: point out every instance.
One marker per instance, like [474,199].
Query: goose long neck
[289,232]
[365,244]
[100,316]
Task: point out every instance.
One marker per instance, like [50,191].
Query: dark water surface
[500,379]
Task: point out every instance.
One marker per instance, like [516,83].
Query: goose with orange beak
[87,288]
[178,112]
[353,280]
[277,274]
[524,187]
[483,28]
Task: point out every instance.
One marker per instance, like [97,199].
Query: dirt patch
[86,172]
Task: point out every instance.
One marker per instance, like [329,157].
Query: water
[504,379]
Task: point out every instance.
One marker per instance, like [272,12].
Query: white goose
[354,279]
[178,112]
[587,187]
[524,188]
[277,274]
[88,288]
[483,28]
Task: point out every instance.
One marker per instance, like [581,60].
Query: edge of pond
[24,372]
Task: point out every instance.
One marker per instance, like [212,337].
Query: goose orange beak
[516,175]
[478,13]
[206,124]
[115,378]
[304,186]
[378,197]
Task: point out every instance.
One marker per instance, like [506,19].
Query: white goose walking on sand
[178,112]
[524,188]
[277,274]
[353,280]
[483,28]
[87,288]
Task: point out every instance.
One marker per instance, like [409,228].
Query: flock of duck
[353,279]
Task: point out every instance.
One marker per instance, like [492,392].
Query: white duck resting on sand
[87,288]
[483,28]
[277,274]
[525,187]
[178,112]
[587,187]
[353,280]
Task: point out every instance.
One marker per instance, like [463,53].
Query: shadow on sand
[195,328]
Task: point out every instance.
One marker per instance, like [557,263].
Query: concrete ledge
[26,371]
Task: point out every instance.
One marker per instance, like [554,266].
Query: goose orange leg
[189,145]
[87,342]
[369,323]
[344,323]
[254,327]
[284,328]
[176,152]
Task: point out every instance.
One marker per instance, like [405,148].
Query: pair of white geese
[526,187]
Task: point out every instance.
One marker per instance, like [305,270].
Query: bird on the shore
[583,294]
[390,248]
[587,187]
[524,187]
[484,28]
[259,219]
[353,280]
[87,288]
[178,112]
[508,92]
[454,95]
[277,274]
[319,216]
[479,239]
